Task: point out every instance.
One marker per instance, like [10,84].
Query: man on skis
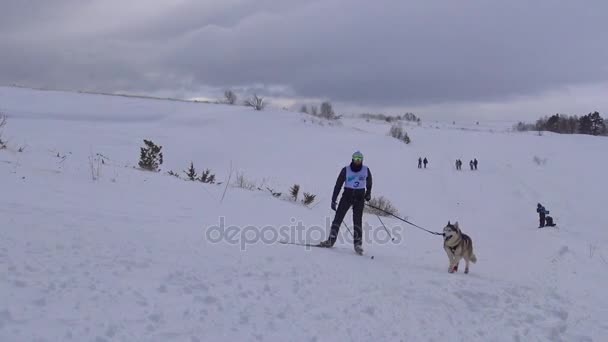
[357,180]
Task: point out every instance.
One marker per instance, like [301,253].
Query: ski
[317,246]
[301,244]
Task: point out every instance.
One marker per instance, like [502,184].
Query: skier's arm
[369,183]
[339,183]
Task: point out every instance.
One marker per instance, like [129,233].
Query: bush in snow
[382,203]
[95,163]
[294,191]
[327,111]
[308,198]
[207,177]
[174,174]
[191,173]
[539,161]
[256,102]
[151,156]
[398,132]
[411,117]
[229,97]
[380,117]
[2,124]
[243,182]
[274,193]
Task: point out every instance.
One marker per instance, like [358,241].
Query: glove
[368,197]
[333,205]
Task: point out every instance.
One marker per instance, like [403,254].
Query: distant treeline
[592,124]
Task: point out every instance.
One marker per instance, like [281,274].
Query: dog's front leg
[451,257]
[456,262]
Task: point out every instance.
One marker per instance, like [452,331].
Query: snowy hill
[130,257]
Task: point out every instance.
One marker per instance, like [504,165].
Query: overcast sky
[495,59]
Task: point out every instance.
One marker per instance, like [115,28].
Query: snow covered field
[131,257]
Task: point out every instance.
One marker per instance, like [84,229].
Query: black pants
[542,220]
[345,203]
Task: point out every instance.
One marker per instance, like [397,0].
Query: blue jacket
[542,210]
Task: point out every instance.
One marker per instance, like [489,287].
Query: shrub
[308,198]
[229,97]
[2,124]
[151,156]
[243,182]
[327,111]
[95,163]
[539,161]
[207,177]
[382,203]
[256,102]
[396,131]
[274,193]
[294,191]
[191,173]
[174,174]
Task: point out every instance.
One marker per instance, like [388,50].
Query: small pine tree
[151,156]
[308,198]
[171,173]
[191,173]
[207,177]
[295,189]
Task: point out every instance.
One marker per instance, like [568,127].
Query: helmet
[358,156]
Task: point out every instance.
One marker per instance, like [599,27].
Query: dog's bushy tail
[473,258]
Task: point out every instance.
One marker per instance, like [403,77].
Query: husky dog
[457,246]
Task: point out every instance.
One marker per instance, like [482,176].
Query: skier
[419,163]
[425,162]
[357,180]
[475,163]
[471,164]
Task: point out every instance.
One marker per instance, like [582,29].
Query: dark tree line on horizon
[592,124]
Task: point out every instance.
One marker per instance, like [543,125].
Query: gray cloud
[385,53]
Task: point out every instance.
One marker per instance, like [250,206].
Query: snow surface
[130,257]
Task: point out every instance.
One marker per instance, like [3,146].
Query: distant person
[475,163]
[542,212]
[543,217]
[419,163]
[456,164]
[425,161]
[471,164]
[459,164]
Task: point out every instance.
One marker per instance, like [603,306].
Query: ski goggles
[357,158]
